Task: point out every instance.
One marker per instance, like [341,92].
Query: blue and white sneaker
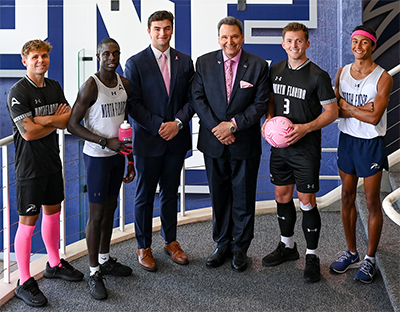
[346,261]
[366,273]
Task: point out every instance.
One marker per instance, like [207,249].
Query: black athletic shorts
[295,169]
[33,193]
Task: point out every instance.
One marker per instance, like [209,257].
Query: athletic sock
[286,214]
[22,247]
[311,227]
[93,270]
[103,258]
[372,259]
[311,251]
[50,235]
[288,241]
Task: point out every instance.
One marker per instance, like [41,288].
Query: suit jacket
[150,105]
[247,103]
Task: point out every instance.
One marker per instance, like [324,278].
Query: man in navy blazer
[160,108]
[230,100]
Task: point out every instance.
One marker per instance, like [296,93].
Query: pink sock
[22,247]
[50,235]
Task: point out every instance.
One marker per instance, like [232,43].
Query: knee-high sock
[51,235]
[311,227]
[22,246]
[286,218]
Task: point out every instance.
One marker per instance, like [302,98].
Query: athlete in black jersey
[300,90]
[37,107]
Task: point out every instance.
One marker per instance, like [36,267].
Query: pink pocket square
[245,84]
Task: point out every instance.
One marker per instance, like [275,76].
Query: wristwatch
[232,127]
[179,123]
[103,142]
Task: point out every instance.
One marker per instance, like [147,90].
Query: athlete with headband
[362,89]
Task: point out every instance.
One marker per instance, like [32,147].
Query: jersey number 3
[286,106]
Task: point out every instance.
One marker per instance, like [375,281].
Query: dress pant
[233,184]
[165,170]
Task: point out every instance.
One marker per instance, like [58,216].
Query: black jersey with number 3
[299,95]
[39,157]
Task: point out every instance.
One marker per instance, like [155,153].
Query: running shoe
[96,286]
[64,270]
[281,254]
[346,261]
[113,267]
[366,273]
[30,293]
[312,272]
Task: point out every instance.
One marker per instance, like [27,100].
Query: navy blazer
[150,106]
[247,103]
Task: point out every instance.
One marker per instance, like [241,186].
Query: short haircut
[230,20]
[160,16]
[295,27]
[106,41]
[368,29]
[34,45]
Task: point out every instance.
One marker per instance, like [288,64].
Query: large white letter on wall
[125,26]
[26,12]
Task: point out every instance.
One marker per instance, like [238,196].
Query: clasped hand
[223,133]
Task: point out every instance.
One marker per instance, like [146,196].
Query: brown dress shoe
[146,259]
[176,253]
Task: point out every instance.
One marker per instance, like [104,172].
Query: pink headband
[363,33]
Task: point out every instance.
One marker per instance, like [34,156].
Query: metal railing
[388,204]
[7,244]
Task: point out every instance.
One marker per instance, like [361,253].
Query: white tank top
[105,116]
[359,93]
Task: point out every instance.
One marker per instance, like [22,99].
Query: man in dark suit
[160,95]
[230,94]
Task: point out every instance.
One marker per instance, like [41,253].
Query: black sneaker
[96,286]
[281,254]
[312,272]
[66,272]
[112,267]
[30,293]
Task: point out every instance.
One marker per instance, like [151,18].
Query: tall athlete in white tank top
[101,103]
[363,90]
[105,116]
[359,93]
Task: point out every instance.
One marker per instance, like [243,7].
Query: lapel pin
[245,66]
[176,58]
[219,62]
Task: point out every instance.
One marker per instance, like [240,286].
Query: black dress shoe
[217,258]
[239,261]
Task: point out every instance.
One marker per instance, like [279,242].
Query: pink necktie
[228,78]
[165,73]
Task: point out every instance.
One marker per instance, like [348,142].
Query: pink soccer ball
[275,130]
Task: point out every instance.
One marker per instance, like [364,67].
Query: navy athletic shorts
[103,177]
[301,170]
[33,193]
[362,157]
